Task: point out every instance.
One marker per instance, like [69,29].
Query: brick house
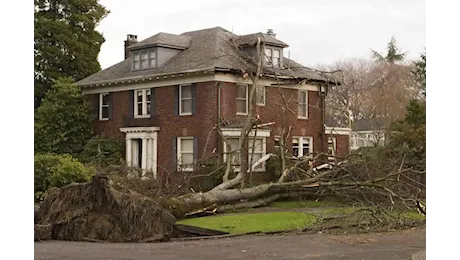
[170,91]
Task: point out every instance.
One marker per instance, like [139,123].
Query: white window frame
[143,113]
[269,58]
[180,100]
[304,103]
[236,133]
[151,55]
[334,146]
[260,90]
[101,105]
[236,168]
[180,152]
[300,142]
[263,153]
[246,99]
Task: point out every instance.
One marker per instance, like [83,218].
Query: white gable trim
[184,79]
[337,130]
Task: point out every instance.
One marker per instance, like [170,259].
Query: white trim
[149,136]
[180,100]
[184,79]
[139,129]
[334,146]
[100,106]
[368,132]
[264,152]
[264,94]
[247,97]
[300,140]
[305,102]
[179,153]
[143,102]
[236,132]
[337,130]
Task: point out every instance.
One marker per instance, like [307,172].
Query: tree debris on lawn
[100,211]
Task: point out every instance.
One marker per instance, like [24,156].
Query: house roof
[207,49]
[163,39]
[251,39]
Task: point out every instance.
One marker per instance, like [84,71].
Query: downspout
[218,123]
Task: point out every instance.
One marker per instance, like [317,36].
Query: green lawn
[252,222]
[304,204]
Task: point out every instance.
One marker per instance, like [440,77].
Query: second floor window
[142,103]
[260,96]
[104,106]
[145,59]
[242,100]
[185,97]
[303,104]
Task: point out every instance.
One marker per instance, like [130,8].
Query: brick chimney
[130,39]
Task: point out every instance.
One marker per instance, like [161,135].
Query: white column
[149,154]
[144,154]
[154,156]
[128,152]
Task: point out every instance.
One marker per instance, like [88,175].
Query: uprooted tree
[109,209]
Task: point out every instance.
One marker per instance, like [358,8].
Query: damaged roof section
[202,50]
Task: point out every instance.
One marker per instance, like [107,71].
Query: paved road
[383,246]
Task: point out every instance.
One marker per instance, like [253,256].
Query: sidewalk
[419,255]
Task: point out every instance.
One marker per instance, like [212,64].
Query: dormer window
[272,55]
[144,59]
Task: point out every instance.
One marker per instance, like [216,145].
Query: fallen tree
[100,210]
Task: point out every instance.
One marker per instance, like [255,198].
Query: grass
[253,222]
[303,204]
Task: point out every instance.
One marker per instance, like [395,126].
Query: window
[242,100]
[331,147]
[274,56]
[302,146]
[185,97]
[185,153]
[258,146]
[142,103]
[234,144]
[104,106]
[277,144]
[260,96]
[145,59]
[303,104]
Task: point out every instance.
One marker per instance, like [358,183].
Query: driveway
[384,246]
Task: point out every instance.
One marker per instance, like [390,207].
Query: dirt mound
[98,210]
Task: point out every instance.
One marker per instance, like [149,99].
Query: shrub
[102,152]
[52,170]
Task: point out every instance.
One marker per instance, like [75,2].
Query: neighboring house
[338,139]
[368,132]
[170,91]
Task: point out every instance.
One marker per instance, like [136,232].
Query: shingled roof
[163,39]
[207,49]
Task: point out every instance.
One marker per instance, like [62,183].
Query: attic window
[273,55]
[144,59]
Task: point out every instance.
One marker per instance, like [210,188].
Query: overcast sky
[317,31]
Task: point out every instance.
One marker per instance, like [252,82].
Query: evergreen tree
[419,72]
[393,54]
